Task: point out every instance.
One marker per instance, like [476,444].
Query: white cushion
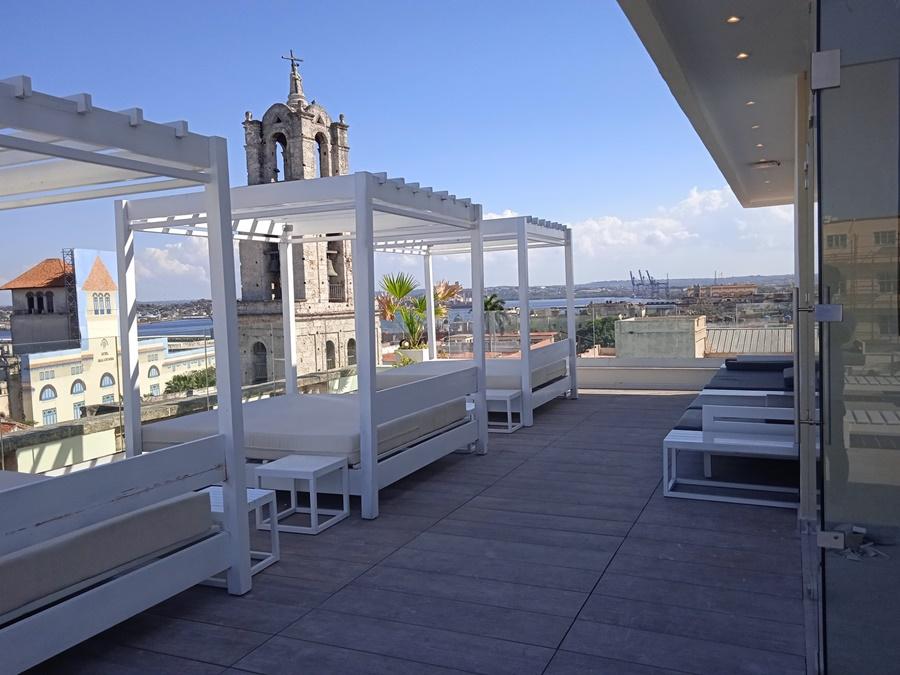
[35,572]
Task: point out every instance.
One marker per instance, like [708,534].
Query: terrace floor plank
[554,553]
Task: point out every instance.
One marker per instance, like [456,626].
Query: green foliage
[398,286]
[413,323]
[493,303]
[198,379]
[402,360]
[600,332]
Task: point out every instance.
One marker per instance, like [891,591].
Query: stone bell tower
[296,140]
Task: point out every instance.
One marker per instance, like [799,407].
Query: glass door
[859,203]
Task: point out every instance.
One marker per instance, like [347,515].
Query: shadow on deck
[555,553]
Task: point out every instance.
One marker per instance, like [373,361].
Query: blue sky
[550,109]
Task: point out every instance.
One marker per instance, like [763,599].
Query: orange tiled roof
[49,273]
[99,278]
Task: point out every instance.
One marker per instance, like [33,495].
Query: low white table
[306,469]
[503,400]
[257,500]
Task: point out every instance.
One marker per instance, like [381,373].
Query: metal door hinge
[828,313]
[826,69]
[830,539]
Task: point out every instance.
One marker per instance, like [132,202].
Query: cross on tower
[293,59]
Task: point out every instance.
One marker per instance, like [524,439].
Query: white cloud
[506,213]
[177,270]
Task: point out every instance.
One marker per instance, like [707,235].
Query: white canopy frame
[55,150]
[378,214]
[520,234]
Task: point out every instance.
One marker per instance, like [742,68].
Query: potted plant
[397,303]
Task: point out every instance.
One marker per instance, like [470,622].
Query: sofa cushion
[57,564]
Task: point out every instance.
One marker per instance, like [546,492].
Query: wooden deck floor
[555,553]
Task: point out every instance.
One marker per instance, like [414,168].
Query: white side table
[257,500]
[504,400]
[307,469]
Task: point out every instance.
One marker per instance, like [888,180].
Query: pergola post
[288,314]
[363,298]
[128,330]
[524,321]
[478,331]
[228,374]
[429,306]
[570,315]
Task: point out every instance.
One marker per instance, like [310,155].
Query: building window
[154,390]
[153,372]
[885,238]
[108,398]
[48,393]
[107,303]
[836,241]
[887,282]
[29,297]
[49,416]
[330,360]
[77,369]
[153,356]
[351,352]
[47,374]
[78,387]
[95,298]
[77,409]
[887,325]
[260,363]
[48,298]
[107,380]
[40,303]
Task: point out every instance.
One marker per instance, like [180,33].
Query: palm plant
[493,303]
[413,323]
[396,302]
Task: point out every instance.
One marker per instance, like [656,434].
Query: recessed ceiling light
[755,126]
[751,103]
[767,182]
[742,55]
[760,145]
[733,19]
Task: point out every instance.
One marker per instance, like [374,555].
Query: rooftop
[553,553]
[49,273]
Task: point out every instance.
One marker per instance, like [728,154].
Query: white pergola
[62,149]
[520,234]
[377,213]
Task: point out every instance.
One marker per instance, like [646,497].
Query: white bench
[294,469]
[734,431]
[508,401]
[257,500]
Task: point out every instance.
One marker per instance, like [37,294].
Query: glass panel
[859,155]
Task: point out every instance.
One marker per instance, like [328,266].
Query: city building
[54,377]
[296,140]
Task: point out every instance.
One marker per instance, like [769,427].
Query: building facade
[59,379]
[296,140]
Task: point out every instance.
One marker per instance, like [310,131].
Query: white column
[478,332]
[288,317]
[228,367]
[128,330]
[429,306]
[570,315]
[364,299]
[804,326]
[524,321]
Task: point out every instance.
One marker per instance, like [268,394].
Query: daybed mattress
[747,379]
[312,424]
[539,376]
[52,566]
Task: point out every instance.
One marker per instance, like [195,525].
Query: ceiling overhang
[696,51]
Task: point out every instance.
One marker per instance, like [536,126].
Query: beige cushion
[498,376]
[35,572]
[313,424]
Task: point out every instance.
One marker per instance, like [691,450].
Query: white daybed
[541,373]
[82,552]
[377,214]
